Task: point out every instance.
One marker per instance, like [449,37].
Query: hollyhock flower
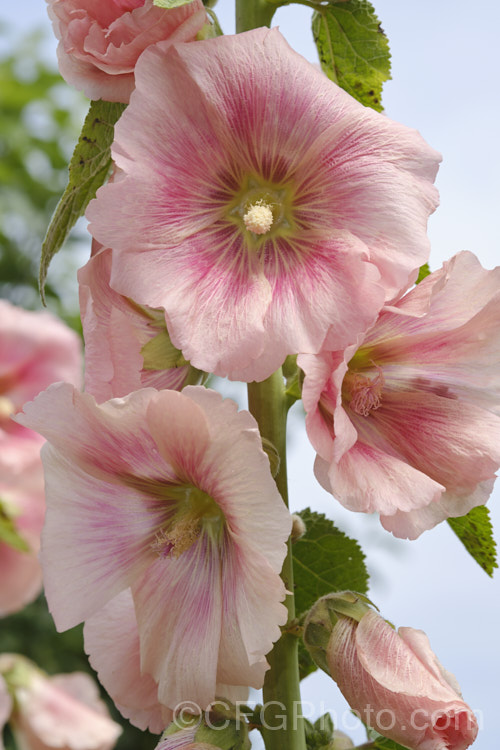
[36,349]
[259,204]
[172,497]
[100,42]
[126,345]
[395,683]
[63,711]
[407,423]
[112,643]
[22,509]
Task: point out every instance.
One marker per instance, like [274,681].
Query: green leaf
[325,560]
[9,534]
[353,49]
[423,272]
[88,169]
[475,531]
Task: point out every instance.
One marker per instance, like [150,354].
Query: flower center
[259,218]
[262,210]
[196,513]
[362,393]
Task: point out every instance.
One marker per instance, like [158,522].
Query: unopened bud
[298,527]
[324,615]
[340,741]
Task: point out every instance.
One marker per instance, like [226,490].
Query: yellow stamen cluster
[258,218]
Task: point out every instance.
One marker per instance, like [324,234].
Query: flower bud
[392,680]
[323,617]
[298,527]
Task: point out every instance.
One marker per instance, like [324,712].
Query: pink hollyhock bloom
[36,349]
[260,213]
[101,40]
[112,643]
[172,497]
[395,683]
[63,711]
[22,509]
[407,423]
[127,346]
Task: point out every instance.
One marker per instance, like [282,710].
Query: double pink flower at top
[101,40]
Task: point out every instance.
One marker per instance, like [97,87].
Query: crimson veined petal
[407,423]
[264,218]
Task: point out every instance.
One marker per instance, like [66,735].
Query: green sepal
[88,170]
[382,743]
[475,531]
[423,272]
[160,354]
[353,49]
[8,532]
[324,615]
[325,560]
[293,380]
[319,735]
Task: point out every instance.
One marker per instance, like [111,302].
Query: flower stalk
[285,727]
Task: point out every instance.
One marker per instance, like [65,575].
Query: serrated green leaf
[353,49]
[475,531]
[423,272]
[9,534]
[88,169]
[171,3]
[325,560]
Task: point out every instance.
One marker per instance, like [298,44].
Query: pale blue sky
[445,84]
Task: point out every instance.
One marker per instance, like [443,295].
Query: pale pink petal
[93,458]
[115,331]
[368,479]
[22,500]
[409,525]
[455,444]
[112,643]
[36,349]
[50,717]
[178,606]
[391,662]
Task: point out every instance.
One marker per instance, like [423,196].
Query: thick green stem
[251,14]
[283,722]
